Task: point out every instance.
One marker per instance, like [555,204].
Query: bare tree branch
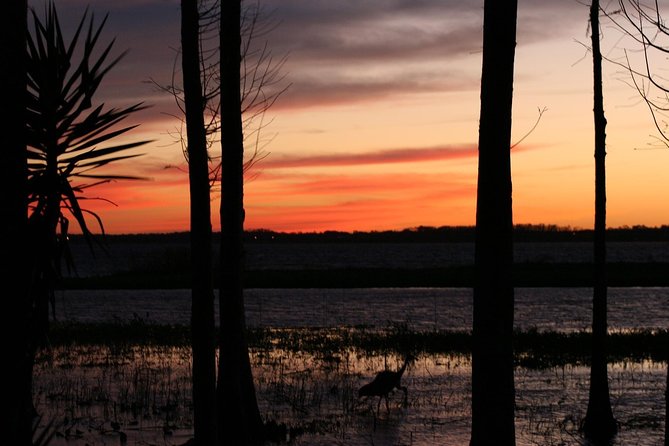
[262,83]
[643,23]
[530,131]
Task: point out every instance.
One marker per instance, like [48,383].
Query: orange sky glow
[378,129]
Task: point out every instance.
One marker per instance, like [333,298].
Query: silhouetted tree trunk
[666,407]
[239,418]
[493,395]
[203,331]
[16,407]
[599,424]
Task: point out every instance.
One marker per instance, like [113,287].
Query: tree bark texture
[202,295]
[599,424]
[666,407]
[16,413]
[493,394]
[238,414]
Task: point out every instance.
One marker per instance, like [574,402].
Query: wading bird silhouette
[385,382]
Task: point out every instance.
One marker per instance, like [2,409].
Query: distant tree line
[445,234]
[421,234]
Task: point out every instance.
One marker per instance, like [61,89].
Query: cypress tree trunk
[666,407]
[203,333]
[16,413]
[599,424]
[238,414]
[493,394]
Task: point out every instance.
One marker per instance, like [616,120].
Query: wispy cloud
[350,52]
[313,90]
[361,213]
[404,155]
[352,185]
[292,201]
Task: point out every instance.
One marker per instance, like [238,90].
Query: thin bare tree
[203,330]
[599,424]
[199,99]
[239,419]
[262,82]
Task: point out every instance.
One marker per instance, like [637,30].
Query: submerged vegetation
[533,348]
[130,382]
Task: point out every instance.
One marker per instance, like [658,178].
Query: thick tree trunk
[202,310]
[666,406]
[16,413]
[238,414]
[599,424]
[493,395]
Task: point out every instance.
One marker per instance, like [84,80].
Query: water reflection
[144,392]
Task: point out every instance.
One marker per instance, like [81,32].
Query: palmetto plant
[68,138]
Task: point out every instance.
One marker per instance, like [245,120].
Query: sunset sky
[379,127]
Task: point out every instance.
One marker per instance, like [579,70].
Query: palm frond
[92,156]
[71,202]
[68,137]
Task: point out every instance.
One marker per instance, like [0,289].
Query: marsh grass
[533,348]
[131,382]
[97,391]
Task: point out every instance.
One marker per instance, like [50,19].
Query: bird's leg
[387,408]
[378,406]
[406,394]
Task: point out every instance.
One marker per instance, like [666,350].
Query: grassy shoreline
[534,349]
[525,275]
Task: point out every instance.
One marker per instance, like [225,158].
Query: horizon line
[533,226]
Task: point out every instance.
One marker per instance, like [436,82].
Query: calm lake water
[559,309]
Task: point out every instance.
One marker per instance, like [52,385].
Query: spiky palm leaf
[65,132]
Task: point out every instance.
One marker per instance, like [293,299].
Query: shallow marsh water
[146,390]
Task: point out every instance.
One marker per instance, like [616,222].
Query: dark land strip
[526,275]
